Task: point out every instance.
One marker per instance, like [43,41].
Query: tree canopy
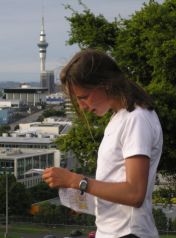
[42,192]
[18,198]
[144,47]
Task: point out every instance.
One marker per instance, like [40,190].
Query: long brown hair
[90,68]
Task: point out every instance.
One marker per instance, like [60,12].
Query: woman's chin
[99,114]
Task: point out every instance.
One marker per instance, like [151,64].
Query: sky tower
[42,47]
[46,76]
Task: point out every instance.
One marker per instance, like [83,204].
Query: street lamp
[7,205]
[6,169]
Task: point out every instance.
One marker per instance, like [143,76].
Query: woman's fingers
[55,177]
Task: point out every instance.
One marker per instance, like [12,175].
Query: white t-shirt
[128,134]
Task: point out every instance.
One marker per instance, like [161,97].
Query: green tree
[4,129]
[52,112]
[40,118]
[146,51]
[160,219]
[174,224]
[52,214]
[42,192]
[88,30]
[18,198]
[145,48]
[16,127]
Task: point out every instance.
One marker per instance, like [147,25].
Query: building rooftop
[11,153]
[24,140]
[25,90]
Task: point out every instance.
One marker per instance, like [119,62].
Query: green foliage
[18,198]
[19,203]
[4,129]
[88,30]
[153,64]
[167,115]
[42,192]
[174,224]
[40,118]
[145,49]
[165,195]
[16,127]
[160,219]
[49,213]
[52,112]
[52,214]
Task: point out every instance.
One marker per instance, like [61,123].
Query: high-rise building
[47,80]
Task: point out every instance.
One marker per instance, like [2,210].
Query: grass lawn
[19,231]
[168,236]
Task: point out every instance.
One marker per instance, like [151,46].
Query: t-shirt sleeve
[137,136]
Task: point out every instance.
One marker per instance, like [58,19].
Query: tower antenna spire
[42,5]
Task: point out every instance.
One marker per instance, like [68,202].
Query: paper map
[36,171]
[73,199]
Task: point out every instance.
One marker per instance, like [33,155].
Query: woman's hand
[60,178]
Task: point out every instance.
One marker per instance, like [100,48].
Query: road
[45,234]
[31,118]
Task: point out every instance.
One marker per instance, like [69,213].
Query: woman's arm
[132,192]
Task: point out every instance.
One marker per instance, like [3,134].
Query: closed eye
[82,97]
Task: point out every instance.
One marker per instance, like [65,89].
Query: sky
[20,24]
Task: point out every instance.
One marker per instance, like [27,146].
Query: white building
[32,146]
[26,141]
[27,94]
[19,161]
[69,110]
[55,98]
[50,127]
[14,103]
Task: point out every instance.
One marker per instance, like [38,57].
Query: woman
[129,153]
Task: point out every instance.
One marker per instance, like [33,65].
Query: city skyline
[20,24]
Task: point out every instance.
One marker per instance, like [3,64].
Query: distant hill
[12,84]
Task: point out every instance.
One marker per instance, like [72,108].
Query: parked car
[91,234]
[74,233]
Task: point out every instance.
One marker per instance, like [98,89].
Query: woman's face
[93,100]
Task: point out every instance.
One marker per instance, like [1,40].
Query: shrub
[160,219]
